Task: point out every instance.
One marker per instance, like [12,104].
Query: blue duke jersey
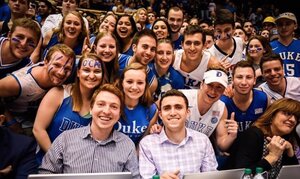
[177,43]
[64,119]
[124,62]
[171,80]
[255,110]
[136,121]
[290,55]
[192,80]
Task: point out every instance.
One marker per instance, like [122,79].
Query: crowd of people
[152,93]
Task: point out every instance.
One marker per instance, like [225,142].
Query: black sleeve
[27,163]
[250,150]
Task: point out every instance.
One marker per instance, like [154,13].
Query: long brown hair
[76,94]
[146,98]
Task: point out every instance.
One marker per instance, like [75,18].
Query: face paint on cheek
[218,36]
[57,57]
[228,35]
[16,40]
[259,49]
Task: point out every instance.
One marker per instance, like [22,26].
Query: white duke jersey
[193,79]
[233,58]
[208,122]
[292,90]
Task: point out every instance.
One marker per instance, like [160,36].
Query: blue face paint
[18,41]
[218,36]
[91,63]
[15,39]
[228,35]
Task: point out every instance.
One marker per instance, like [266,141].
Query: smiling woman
[67,107]
[71,32]
[271,141]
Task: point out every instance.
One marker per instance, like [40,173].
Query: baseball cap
[269,19]
[216,76]
[287,15]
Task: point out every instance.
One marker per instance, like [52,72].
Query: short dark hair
[174,92]
[271,57]
[242,64]
[224,16]
[194,29]
[142,33]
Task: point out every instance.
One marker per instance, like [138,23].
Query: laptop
[289,172]
[117,175]
[223,174]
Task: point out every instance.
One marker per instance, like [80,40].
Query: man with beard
[23,89]
[144,50]
[192,61]
[16,49]
[175,20]
[278,86]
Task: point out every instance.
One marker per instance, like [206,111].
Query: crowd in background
[146,85]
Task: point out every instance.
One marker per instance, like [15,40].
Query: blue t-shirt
[171,80]
[290,55]
[136,122]
[254,111]
[177,43]
[124,62]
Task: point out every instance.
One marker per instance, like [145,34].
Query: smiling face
[124,27]
[72,26]
[134,84]
[90,73]
[106,111]
[22,42]
[193,46]
[283,123]
[243,80]
[272,72]
[175,20]
[174,113]
[164,55]
[160,29]
[144,51]
[211,92]
[106,48]
[59,68]
[255,49]
[108,24]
